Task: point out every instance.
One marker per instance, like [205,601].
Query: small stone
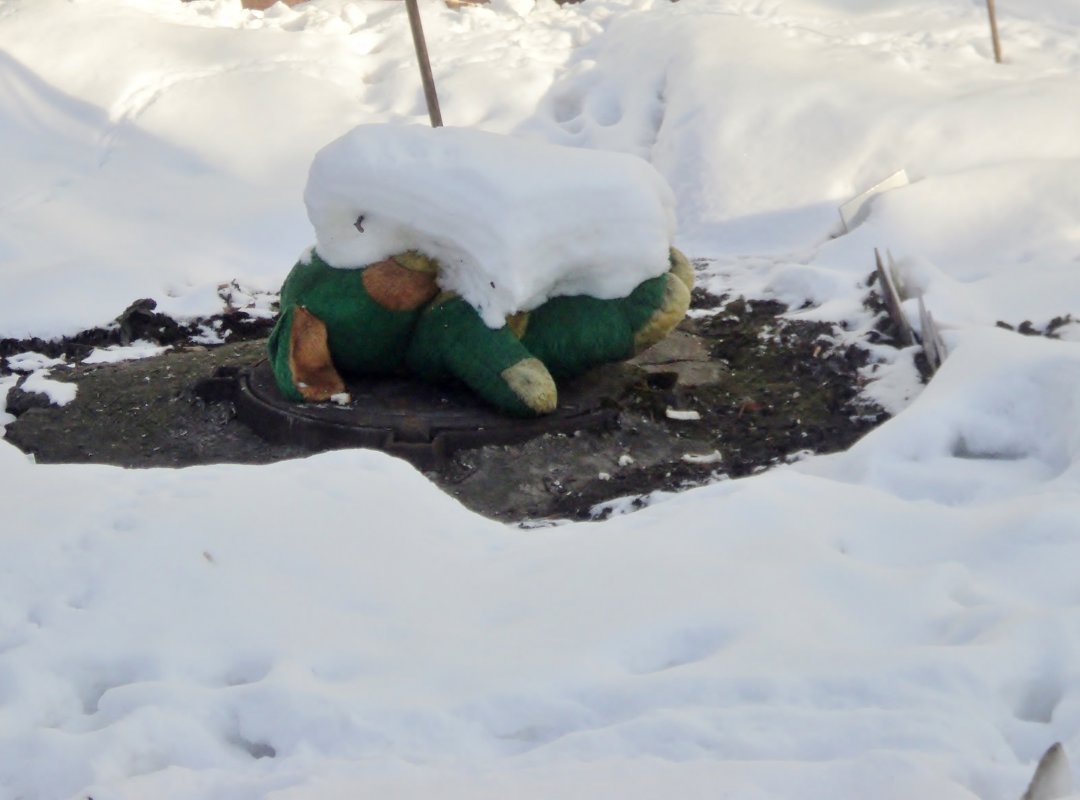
[681,415]
[703,458]
[20,401]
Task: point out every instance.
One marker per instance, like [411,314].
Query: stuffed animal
[391,317]
[503,262]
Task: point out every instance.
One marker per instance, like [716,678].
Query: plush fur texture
[390,317]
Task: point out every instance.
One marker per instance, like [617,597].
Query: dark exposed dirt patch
[141,321]
[758,390]
[146,414]
[787,392]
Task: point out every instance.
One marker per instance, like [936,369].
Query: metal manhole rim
[421,433]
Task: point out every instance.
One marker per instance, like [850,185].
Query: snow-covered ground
[900,620]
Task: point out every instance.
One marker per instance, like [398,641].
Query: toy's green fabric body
[390,317]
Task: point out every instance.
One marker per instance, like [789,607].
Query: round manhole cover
[417,421]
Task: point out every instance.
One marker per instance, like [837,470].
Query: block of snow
[512,222]
[31,361]
[60,393]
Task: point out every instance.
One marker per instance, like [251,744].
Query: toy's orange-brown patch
[396,287]
[518,323]
[309,358]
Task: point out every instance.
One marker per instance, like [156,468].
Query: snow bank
[511,222]
[892,622]
[1000,419]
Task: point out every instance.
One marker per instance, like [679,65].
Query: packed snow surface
[114,353]
[511,222]
[59,393]
[900,620]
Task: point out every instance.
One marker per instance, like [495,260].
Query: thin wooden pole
[892,299]
[993,30]
[425,65]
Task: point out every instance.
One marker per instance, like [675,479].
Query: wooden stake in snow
[993,30]
[931,338]
[425,65]
[892,300]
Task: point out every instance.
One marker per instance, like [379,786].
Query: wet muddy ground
[739,389]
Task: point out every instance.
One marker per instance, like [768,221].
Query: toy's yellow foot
[313,372]
[681,268]
[673,308]
[530,380]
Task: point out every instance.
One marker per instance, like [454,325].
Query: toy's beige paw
[681,268]
[530,380]
[417,262]
[671,312]
[313,372]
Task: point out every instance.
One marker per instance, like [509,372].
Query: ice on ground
[511,222]
[115,353]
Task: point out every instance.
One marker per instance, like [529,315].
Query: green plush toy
[453,253]
[391,317]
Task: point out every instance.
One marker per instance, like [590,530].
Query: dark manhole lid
[419,422]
